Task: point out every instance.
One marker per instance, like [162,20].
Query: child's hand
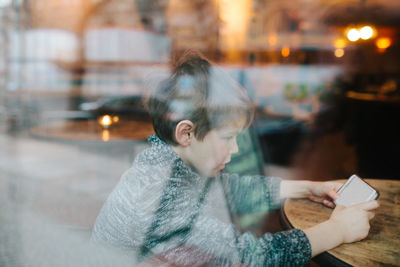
[324,192]
[353,222]
[346,225]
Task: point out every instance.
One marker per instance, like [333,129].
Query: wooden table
[380,248]
[90,130]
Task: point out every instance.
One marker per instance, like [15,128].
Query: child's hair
[201,93]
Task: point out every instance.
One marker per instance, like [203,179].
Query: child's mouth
[222,166]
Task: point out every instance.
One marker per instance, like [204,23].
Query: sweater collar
[165,151]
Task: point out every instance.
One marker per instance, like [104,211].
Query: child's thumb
[340,207]
[369,205]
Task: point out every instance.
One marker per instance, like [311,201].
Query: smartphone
[355,191]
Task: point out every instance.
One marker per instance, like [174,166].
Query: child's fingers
[316,198]
[333,195]
[328,203]
[369,205]
[331,188]
[340,207]
[337,186]
[371,215]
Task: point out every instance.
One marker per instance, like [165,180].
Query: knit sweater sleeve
[288,248]
[248,194]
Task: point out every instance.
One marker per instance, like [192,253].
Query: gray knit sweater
[162,207]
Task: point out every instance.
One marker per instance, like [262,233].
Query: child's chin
[210,174]
[215,173]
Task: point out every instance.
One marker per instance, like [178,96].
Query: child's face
[210,155]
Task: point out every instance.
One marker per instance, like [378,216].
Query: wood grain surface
[91,130]
[380,248]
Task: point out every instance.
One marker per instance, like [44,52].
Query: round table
[380,248]
[90,130]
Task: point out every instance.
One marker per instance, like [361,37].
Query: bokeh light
[353,35]
[105,121]
[339,52]
[285,52]
[383,42]
[366,32]
[272,40]
[340,43]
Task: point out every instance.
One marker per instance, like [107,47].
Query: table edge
[324,258]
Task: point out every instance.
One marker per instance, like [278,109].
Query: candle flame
[105,121]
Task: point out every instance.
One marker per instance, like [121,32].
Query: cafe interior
[324,78]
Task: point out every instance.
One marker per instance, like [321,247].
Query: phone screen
[355,191]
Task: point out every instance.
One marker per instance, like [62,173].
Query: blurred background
[324,76]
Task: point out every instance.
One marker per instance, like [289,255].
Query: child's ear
[184,132]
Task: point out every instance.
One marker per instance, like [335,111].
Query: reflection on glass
[60,59]
[105,135]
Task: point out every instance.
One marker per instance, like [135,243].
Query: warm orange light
[340,43]
[105,121]
[235,16]
[353,35]
[105,135]
[115,119]
[339,52]
[383,42]
[272,40]
[285,52]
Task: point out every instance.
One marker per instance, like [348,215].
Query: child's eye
[228,138]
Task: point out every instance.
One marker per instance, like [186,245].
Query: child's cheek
[220,152]
[224,152]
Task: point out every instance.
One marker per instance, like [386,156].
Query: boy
[169,205]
